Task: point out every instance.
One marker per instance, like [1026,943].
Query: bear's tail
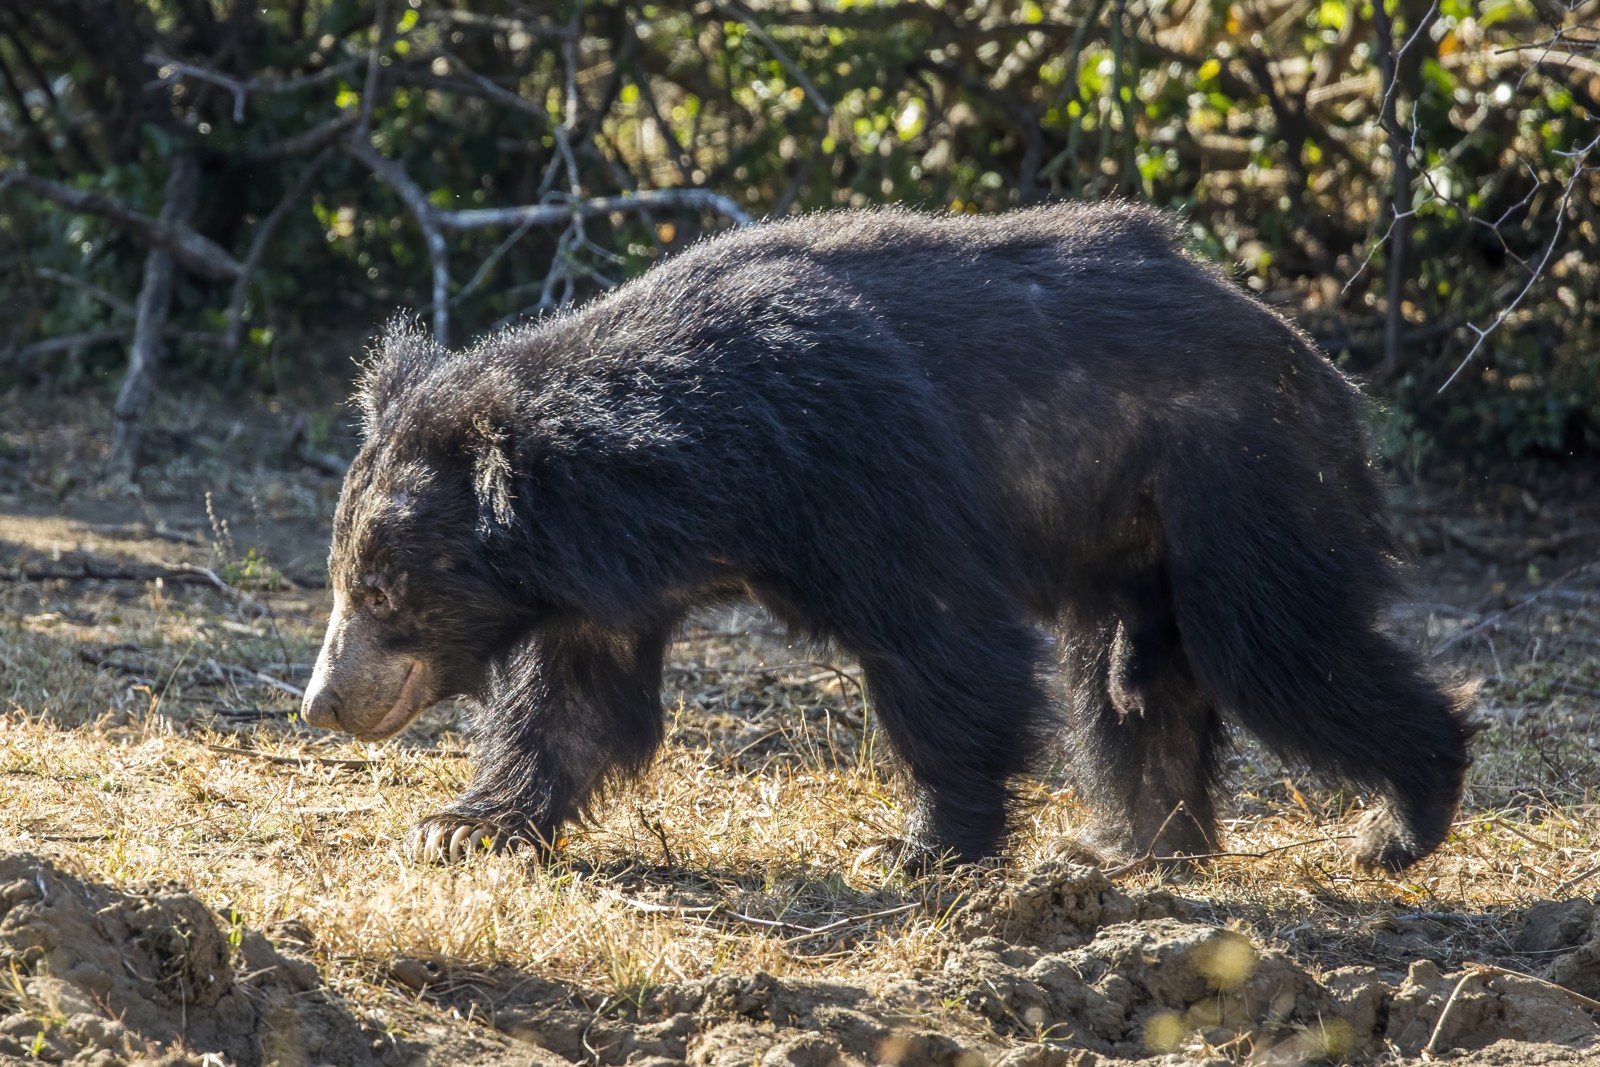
[1280,573]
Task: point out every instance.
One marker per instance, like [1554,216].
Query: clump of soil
[1066,969]
[104,977]
[1065,953]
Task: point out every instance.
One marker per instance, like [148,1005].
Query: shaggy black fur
[930,440]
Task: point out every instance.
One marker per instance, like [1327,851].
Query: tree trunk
[155,298]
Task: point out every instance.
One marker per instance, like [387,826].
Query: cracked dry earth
[1068,969]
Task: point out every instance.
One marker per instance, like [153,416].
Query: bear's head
[421,601]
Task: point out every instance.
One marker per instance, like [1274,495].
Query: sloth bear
[974,452]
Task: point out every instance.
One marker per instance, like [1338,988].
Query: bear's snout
[360,685]
[321,708]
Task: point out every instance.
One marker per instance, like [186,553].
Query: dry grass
[768,806]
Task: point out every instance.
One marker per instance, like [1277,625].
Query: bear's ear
[404,355]
[492,479]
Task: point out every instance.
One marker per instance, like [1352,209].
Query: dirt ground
[190,876]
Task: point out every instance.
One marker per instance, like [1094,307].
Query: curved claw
[453,839]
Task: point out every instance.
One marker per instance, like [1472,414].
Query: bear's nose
[321,708]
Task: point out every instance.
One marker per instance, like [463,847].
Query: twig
[215,579]
[170,69]
[252,714]
[1579,156]
[135,531]
[661,835]
[1149,852]
[1506,972]
[24,356]
[1581,876]
[369,88]
[1489,970]
[304,143]
[1431,1047]
[491,90]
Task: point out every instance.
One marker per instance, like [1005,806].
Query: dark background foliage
[207,190]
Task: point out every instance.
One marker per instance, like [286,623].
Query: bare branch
[172,69]
[551,214]
[312,140]
[191,249]
[491,90]
[807,86]
[27,354]
[369,89]
[428,221]
[155,300]
[498,24]
[61,277]
[435,223]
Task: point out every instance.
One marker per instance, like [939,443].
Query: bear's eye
[377,599]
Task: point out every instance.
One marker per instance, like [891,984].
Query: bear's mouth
[411,702]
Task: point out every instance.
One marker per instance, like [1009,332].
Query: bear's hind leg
[579,704]
[1144,735]
[966,713]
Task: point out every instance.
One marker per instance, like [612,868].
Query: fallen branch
[136,531]
[300,449]
[291,761]
[1489,621]
[180,573]
[235,673]
[723,912]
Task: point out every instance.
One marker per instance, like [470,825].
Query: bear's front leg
[577,704]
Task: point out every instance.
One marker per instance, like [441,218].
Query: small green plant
[253,568]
